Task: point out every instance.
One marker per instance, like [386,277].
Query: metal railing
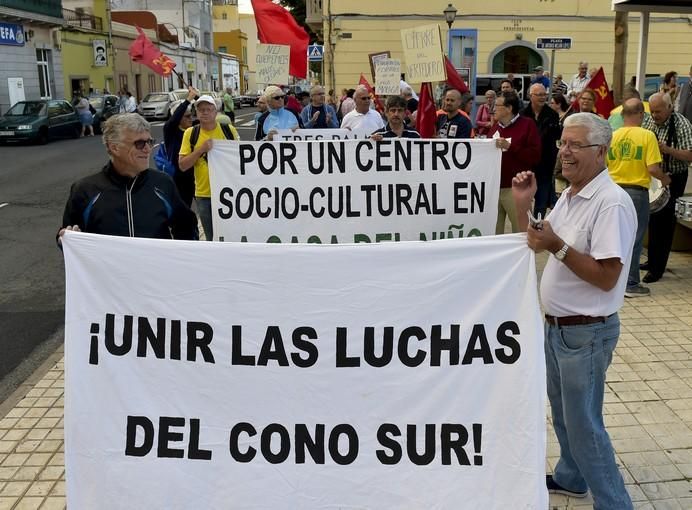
[82,19]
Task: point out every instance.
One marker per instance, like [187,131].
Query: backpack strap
[194,136]
[227,132]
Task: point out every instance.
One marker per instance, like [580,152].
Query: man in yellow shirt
[633,158]
[197,142]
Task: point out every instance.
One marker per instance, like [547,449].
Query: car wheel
[42,138]
[77,132]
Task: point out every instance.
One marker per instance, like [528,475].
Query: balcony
[313,15]
[46,7]
[81,19]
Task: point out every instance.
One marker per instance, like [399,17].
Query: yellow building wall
[589,23]
[249,27]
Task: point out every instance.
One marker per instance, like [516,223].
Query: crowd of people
[594,230]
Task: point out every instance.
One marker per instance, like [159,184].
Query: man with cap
[539,77]
[197,142]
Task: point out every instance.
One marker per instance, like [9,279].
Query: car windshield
[32,108]
[96,102]
[156,98]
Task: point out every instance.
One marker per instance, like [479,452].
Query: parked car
[40,121]
[157,105]
[106,106]
[180,95]
[485,82]
[249,99]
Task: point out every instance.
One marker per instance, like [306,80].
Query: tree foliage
[297,9]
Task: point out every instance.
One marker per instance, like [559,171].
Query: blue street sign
[554,43]
[315,52]
[11,34]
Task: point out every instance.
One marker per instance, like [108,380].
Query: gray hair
[662,96]
[114,128]
[598,129]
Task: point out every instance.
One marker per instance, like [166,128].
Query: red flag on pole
[275,25]
[375,98]
[144,51]
[426,114]
[453,79]
[604,96]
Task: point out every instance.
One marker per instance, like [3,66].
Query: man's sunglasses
[139,144]
[278,97]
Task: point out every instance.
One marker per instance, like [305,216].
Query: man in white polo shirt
[590,233]
[362,117]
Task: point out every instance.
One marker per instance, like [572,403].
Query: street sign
[554,43]
[315,52]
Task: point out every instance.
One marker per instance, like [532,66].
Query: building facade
[30,54]
[230,39]
[493,37]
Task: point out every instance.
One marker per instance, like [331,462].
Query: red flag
[275,25]
[453,79]
[426,115]
[143,51]
[374,97]
[604,96]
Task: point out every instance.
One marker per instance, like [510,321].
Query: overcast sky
[244,6]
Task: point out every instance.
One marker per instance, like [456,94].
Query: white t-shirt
[599,221]
[370,122]
[131,105]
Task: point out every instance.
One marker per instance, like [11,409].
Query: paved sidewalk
[648,411]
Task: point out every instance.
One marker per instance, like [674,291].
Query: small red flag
[453,79]
[142,50]
[275,25]
[374,97]
[426,114]
[604,96]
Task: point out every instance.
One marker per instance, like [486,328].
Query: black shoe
[651,278]
[554,488]
[644,266]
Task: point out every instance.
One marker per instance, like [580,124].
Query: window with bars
[42,64]
[122,81]
[153,83]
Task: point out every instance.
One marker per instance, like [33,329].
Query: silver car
[157,105]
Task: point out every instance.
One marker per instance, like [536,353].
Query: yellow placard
[423,53]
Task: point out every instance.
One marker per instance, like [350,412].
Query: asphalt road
[34,184]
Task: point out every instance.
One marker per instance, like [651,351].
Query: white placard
[388,77]
[354,190]
[271,64]
[100,52]
[200,374]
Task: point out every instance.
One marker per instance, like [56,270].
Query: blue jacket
[321,123]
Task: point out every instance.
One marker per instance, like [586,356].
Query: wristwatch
[562,252]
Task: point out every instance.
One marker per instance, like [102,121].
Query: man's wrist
[557,245]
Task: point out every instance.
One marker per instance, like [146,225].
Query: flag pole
[181,77]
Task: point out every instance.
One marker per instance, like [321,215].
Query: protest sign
[271,63]
[374,58]
[288,135]
[423,54]
[240,375]
[354,190]
[388,77]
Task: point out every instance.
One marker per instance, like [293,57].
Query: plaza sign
[554,43]
[11,34]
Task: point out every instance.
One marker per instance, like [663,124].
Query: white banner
[288,135]
[354,190]
[242,375]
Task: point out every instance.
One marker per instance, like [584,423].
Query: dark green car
[40,121]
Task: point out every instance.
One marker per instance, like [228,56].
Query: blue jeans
[640,198]
[204,213]
[577,358]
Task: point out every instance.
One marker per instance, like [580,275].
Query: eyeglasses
[573,147]
[365,98]
[276,98]
[139,144]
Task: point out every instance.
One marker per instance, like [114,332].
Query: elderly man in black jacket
[126,198]
[173,130]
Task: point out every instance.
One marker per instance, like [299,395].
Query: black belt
[633,186]
[573,320]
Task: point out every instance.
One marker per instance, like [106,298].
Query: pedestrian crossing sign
[315,52]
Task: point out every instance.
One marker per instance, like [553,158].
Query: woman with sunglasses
[126,198]
[277,115]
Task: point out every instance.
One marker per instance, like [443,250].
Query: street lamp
[450,15]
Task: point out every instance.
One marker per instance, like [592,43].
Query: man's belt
[633,186]
[573,320]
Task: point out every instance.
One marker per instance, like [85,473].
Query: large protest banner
[353,190]
[241,375]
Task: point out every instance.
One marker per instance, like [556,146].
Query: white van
[484,82]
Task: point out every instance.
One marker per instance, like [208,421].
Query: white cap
[206,99]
